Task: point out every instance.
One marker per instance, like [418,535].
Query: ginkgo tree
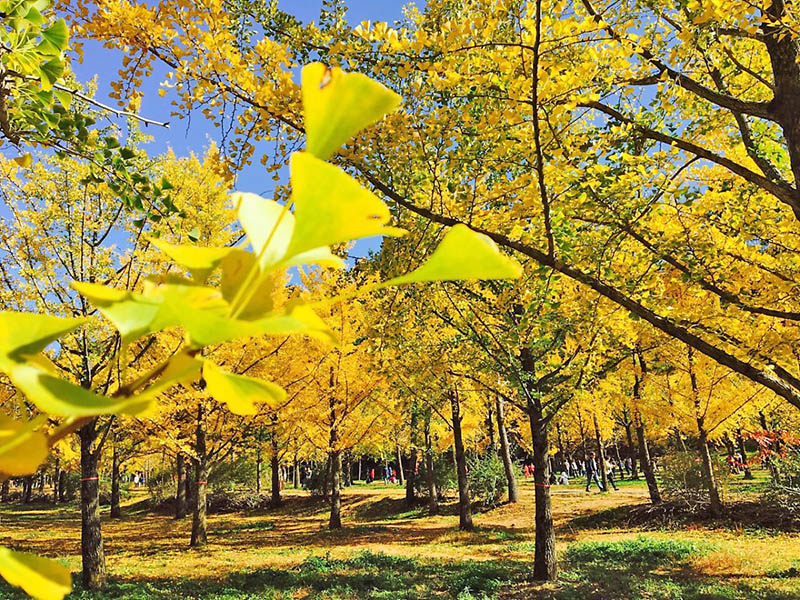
[329,208]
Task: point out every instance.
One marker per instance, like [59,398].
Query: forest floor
[386,551]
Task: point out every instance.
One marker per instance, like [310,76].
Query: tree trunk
[258,467]
[296,472]
[335,521]
[27,489]
[464,506]
[545,562]
[619,459]
[62,486]
[4,490]
[274,464]
[601,453]
[646,463]
[411,475]
[505,451]
[399,464]
[490,427]
[93,574]
[116,511]
[56,479]
[41,483]
[715,504]
[199,533]
[180,489]
[743,452]
[347,469]
[430,479]
[631,450]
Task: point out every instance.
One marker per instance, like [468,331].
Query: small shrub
[640,553]
[232,474]
[682,477]
[444,475]
[783,493]
[487,479]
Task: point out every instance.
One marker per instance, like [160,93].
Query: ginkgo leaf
[61,398]
[131,314]
[240,393]
[24,160]
[55,38]
[297,318]
[41,578]
[199,261]
[463,254]
[331,207]
[25,334]
[268,225]
[337,105]
[22,449]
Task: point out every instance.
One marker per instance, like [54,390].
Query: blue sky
[187,135]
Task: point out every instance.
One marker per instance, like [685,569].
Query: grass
[388,551]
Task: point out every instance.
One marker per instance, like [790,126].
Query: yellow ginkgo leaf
[22,449]
[42,578]
[241,394]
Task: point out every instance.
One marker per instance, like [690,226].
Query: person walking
[592,473]
[610,474]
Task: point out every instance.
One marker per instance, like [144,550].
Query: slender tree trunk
[258,467]
[56,479]
[601,452]
[490,427]
[296,472]
[347,468]
[180,488]
[27,489]
[4,490]
[715,504]
[116,511]
[631,450]
[411,475]
[335,521]
[430,480]
[644,452]
[199,532]
[62,486]
[93,574]
[399,464]
[545,562]
[743,452]
[464,505]
[274,463]
[619,460]
[505,451]
[41,483]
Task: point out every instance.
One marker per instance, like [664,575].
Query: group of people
[389,475]
[589,468]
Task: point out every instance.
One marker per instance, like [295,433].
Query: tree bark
[27,489]
[56,479]
[545,561]
[258,467]
[93,573]
[399,464]
[464,505]
[274,464]
[646,463]
[62,486]
[505,451]
[715,504]
[296,472]
[116,511]
[601,453]
[180,489]
[631,449]
[335,521]
[4,490]
[347,469]
[199,533]
[430,480]
[743,452]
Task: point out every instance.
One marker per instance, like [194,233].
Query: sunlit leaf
[463,254]
[26,334]
[240,393]
[42,578]
[337,105]
[199,261]
[268,226]
[24,160]
[55,38]
[332,207]
[22,449]
[297,318]
[131,314]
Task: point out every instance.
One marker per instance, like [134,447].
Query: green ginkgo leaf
[331,207]
[55,38]
[42,578]
[337,105]
[463,254]
[241,394]
[61,398]
[22,449]
[131,314]
[25,334]
[199,261]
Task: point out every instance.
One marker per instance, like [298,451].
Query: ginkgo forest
[447,299]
